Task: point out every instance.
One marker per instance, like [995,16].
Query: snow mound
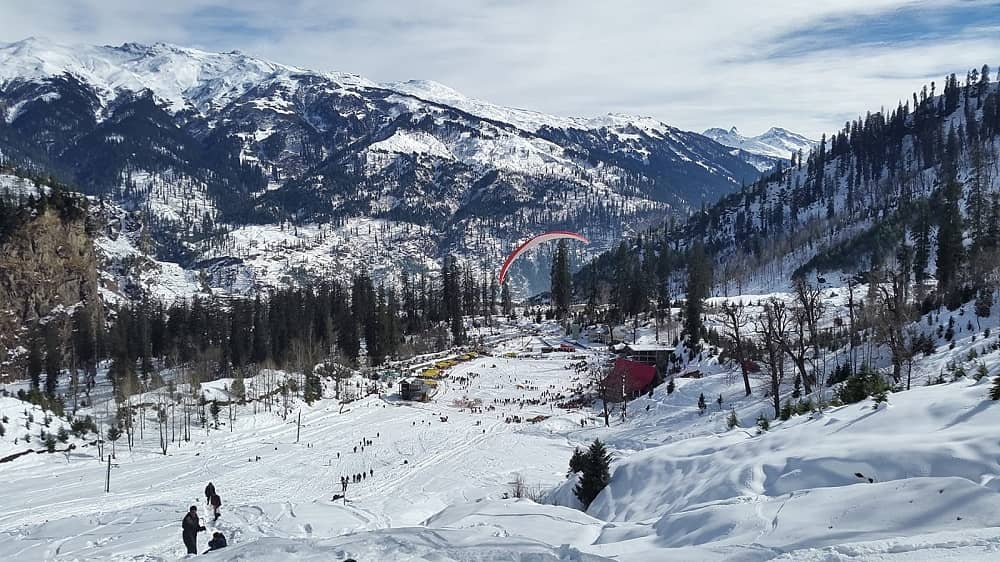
[410,544]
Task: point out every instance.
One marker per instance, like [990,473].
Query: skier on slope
[191,526]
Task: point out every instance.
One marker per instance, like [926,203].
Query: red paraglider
[532,242]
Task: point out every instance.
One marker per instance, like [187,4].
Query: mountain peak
[776,142]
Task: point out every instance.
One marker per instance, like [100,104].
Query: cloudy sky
[806,66]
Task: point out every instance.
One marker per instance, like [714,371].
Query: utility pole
[625,374]
[107,481]
[298,427]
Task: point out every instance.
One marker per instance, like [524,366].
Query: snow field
[419,464]
[683,487]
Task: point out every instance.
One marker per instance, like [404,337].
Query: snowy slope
[683,487]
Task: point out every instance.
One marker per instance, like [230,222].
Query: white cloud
[691,64]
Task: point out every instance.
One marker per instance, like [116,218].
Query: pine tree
[34,365]
[984,302]
[732,421]
[702,406]
[950,249]
[670,386]
[922,245]
[313,390]
[698,284]
[786,411]
[561,281]
[239,389]
[578,462]
[84,342]
[53,358]
[596,474]
[114,434]
[995,390]
[506,303]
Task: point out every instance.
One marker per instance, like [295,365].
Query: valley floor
[683,487]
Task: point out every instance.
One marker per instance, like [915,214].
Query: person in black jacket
[216,502]
[209,492]
[192,526]
[218,541]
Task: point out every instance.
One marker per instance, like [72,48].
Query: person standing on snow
[209,492]
[216,502]
[191,526]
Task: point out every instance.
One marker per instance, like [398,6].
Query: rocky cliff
[47,269]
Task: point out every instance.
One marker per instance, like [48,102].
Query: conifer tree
[53,358]
[950,249]
[698,284]
[34,365]
[84,341]
[561,281]
[596,474]
[995,389]
[506,303]
[922,245]
[578,462]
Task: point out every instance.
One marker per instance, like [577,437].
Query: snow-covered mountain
[206,145]
[775,142]
[859,202]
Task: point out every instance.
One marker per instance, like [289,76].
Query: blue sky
[806,66]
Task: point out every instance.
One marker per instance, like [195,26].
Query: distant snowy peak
[775,142]
[182,77]
[524,119]
[187,78]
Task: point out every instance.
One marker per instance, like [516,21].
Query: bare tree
[851,334]
[772,327]
[734,320]
[892,314]
[809,301]
[792,339]
[597,374]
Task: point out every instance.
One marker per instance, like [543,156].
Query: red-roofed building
[637,378]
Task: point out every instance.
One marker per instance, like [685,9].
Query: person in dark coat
[209,492]
[192,526]
[216,503]
[218,541]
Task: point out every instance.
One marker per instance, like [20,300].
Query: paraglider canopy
[532,242]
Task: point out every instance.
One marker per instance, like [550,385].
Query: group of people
[191,524]
[355,478]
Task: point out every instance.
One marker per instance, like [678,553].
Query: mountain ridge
[776,142]
[205,145]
